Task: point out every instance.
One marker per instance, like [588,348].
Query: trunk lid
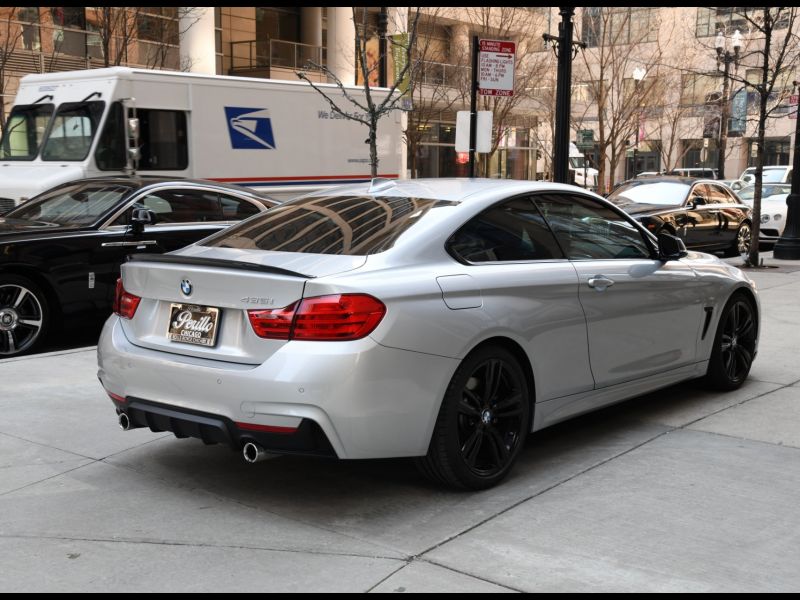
[229,279]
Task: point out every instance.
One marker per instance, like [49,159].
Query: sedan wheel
[482,423]
[23,316]
[734,345]
[741,244]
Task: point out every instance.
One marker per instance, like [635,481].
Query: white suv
[778,174]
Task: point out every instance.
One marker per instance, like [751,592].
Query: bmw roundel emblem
[186,287]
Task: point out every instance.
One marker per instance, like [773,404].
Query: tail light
[338,317]
[125,304]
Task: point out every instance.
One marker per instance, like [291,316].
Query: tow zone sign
[496,67]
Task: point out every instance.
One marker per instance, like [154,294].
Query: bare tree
[435,87]
[370,110]
[774,48]
[116,29]
[617,44]
[524,26]
[10,36]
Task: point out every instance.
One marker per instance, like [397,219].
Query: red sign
[793,102]
[496,67]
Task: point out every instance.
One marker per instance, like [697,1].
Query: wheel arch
[519,353]
[40,280]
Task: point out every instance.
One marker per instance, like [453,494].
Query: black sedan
[705,214]
[60,253]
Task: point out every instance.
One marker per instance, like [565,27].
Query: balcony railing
[265,55]
[443,74]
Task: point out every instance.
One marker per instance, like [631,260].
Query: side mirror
[697,201]
[670,247]
[140,217]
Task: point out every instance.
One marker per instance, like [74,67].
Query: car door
[643,315]
[182,216]
[702,222]
[527,287]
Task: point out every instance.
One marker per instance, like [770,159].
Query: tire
[734,345]
[742,241]
[481,426]
[24,316]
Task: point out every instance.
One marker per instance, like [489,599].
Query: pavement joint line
[241,503]
[48,354]
[121,540]
[543,491]
[48,446]
[43,480]
[406,562]
[471,575]
[743,439]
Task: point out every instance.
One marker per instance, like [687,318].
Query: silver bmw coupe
[443,319]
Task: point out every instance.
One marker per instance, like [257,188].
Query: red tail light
[125,304]
[337,317]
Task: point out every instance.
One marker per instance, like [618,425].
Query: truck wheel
[24,315]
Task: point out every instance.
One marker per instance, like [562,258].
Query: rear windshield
[650,192]
[346,225]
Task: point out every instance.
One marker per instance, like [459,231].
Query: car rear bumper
[367,400]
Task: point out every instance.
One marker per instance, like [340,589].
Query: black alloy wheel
[483,422]
[734,344]
[23,316]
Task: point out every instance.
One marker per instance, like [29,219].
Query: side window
[587,229]
[163,140]
[178,206]
[717,195]
[513,230]
[236,209]
[698,191]
[110,153]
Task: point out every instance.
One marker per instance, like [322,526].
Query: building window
[29,20]
[696,88]
[776,152]
[722,18]
[618,25]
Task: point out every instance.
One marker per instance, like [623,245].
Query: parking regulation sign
[496,67]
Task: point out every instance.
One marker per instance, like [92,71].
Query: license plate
[192,324]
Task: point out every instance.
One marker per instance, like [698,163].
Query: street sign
[483,139]
[496,67]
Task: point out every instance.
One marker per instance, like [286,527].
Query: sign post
[492,75]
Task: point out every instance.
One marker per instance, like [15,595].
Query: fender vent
[709,311]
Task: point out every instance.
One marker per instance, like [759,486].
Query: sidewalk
[680,490]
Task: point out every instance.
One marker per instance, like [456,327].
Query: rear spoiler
[214,262]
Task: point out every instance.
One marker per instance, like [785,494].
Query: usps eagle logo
[250,128]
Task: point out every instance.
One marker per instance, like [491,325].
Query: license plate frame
[199,328]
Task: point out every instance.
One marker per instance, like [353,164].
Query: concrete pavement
[680,490]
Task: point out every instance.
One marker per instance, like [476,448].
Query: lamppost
[788,245]
[638,77]
[565,49]
[725,58]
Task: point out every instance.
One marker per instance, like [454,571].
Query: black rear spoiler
[214,262]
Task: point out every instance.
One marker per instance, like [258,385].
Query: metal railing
[264,55]
[443,74]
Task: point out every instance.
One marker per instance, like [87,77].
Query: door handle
[600,282]
[129,244]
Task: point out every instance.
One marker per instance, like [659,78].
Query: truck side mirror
[133,128]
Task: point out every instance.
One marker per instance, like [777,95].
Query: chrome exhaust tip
[124,422]
[253,453]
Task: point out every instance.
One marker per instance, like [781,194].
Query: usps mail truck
[278,136]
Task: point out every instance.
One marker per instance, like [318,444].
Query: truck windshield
[73,130]
[24,131]
[577,162]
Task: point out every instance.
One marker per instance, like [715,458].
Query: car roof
[670,179]
[451,189]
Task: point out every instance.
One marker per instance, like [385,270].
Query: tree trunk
[373,146]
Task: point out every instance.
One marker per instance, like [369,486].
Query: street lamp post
[638,77]
[788,245]
[725,58]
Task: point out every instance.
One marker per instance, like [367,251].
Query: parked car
[734,184]
[773,174]
[443,319]
[705,173]
[704,214]
[60,252]
[773,208]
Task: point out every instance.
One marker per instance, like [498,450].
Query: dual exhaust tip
[251,451]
